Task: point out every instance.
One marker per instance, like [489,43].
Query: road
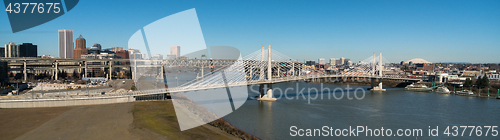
[118,84]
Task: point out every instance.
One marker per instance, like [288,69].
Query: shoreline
[230,129]
[386,83]
[160,117]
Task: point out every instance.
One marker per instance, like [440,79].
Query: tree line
[481,82]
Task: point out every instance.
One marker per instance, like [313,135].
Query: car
[123,82]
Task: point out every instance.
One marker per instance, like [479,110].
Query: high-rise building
[95,49]
[338,62]
[4,68]
[332,61]
[23,50]
[321,61]
[80,48]
[346,60]
[122,54]
[342,61]
[66,43]
[2,52]
[310,63]
[115,49]
[28,50]
[175,50]
[134,54]
[12,50]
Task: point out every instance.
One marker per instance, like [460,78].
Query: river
[394,109]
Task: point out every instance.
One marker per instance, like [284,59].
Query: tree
[479,82]
[133,87]
[485,81]
[467,82]
[75,75]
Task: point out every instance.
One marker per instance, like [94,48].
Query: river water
[394,109]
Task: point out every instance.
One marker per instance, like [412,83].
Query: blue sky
[438,31]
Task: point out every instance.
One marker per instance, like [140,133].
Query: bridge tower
[261,75]
[379,76]
[269,95]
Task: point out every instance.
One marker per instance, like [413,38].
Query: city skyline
[457,32]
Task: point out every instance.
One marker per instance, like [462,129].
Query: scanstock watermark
[309,93]
[25,14]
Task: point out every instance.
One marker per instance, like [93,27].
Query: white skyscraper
[175,50]
[332,61]
[321,61]
[66,43]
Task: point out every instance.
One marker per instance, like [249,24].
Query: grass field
[159,117]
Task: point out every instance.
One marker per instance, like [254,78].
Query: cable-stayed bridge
[263,67]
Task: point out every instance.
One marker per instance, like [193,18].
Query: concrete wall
[63,102]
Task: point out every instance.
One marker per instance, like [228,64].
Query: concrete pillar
[269,95]
[269,70]
[261,90]
[81,69]
[380,70]
[373,65]
[261,63]
[270,91]
[110,69]
[380,65]
[24,71]
[56,71]
[379,77]
[85,75]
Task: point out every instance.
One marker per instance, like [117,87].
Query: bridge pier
[261,90]
[380,68]
[378,87]
[269,95]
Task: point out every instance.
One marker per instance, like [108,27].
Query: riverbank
[160,117]
[137,120]
[16,122]
[492,93]
[386,83]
